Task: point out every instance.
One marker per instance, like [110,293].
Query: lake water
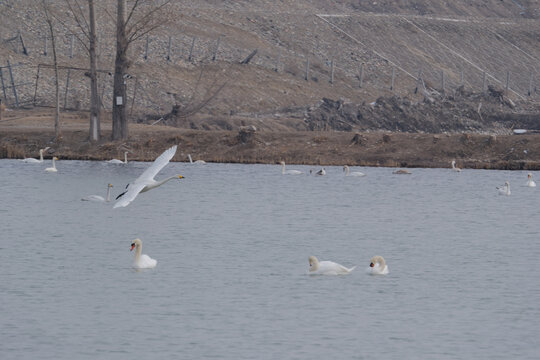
[232,244]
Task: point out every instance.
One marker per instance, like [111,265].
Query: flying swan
[317,267]
[377,266]
[354,173]
[530,181]
[53,168]
[98,198]
[146,181]
[201,162]
[288,172]
[35,161]
[505,189]
[456,169]
[116,161]
[142,261]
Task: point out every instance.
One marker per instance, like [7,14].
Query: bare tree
[131,25]
[57,132]
[89,42]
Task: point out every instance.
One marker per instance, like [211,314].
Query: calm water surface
[232,244]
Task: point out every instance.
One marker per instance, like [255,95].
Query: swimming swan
[116,161]
[98,198]
[505,189]
[53,168]
[196,161]
[402,172]
[146,181]
[378,266]
[142,261]
[354,173]
[317,267]
[288,172]
[35,161]
[321,172]
[456,169]
[530,181]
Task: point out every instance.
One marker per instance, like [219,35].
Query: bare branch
[144,24]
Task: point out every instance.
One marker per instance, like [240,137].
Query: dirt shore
[24,132]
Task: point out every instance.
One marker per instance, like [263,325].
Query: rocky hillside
[363,58]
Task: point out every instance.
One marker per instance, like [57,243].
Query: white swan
[35,161]
[402,172]
[354,173]
[196,161]
[98,198]
[116,161]
[530,181]
[288,172]
[377,266]
[53,168]
[142,261]
[321,172]
[146,181]
[317,267]
[505,189]
[456,169]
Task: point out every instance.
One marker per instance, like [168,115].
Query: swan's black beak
[371,265]
[132,246]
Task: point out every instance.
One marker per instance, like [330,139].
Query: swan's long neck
[347,171]
[314,263]
[125,157]
[190,159]
[283,168]
[380,260]
[41,155]
[138,252]
[53,165]
[159,183]
[108,194]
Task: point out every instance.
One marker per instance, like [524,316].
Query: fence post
[169,49]
[13,84]
[71,46]
[25,52]
[67,88]
[3,85]
[35,89]
[216,48]
[146,48]
[361,74]
[191,49]
[393,76]
[442,80]
[276,69]
[306,77]
[332,71]
[45,45]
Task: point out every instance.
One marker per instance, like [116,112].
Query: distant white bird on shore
[505,189]
[288,172]
[53,168]
[354,173]
[200,162]
[146,181]
[116,161]
[456,169]
[321,172]
[142,261]
[402,172]
[98,198]
[317,267]
[377,266]
[35,161]
[530,181]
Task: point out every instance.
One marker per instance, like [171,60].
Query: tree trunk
[57,132]
[120,126]
[95,126]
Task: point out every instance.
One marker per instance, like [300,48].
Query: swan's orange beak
[132,247]
[371,265]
